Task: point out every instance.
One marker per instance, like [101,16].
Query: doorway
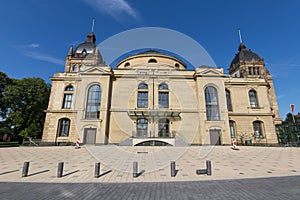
[215,136]
[89,136]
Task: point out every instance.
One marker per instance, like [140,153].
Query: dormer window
[152,60]
[84,53]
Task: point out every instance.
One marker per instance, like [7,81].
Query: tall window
[163,96]
[163,128]
[228,100]
[258,129]
[93,102]
[232,128]
[141,127]
[63,127]
[212,104]
[68,97]
[142,98]
[253,99]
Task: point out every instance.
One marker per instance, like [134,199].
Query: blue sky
[36,34]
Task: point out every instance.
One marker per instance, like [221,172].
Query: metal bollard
[208,167]
[97,169]
[25,169]
[173,170]
[135,169]
[60,169]
[201,171]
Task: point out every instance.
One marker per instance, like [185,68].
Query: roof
[245,55]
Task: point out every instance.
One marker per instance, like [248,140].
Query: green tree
[26,101]
[4,82]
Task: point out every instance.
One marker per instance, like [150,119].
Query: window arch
[142,97]
[64,127]
[232,128]
[163,95]
[212,104]
[93,102]
[163,128]
[253,99]
[68,97]
[141,127]
[258,129]
[228,100]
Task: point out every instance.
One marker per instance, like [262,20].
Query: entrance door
[89,136]
[215,136]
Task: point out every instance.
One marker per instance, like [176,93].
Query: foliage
[4,81]
[25,101]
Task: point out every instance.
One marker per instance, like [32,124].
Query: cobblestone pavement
[258,188]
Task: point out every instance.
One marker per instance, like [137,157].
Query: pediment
[210,71]
[97,70]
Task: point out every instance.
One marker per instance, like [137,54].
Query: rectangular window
[68,101]
[163,99]
[142,100]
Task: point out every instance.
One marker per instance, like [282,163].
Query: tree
[26,101]
[4,82]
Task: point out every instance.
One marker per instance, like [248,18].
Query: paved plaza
[153,163]
[250,172]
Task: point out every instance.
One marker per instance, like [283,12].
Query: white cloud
[43,57]
[115,8]
[34,45]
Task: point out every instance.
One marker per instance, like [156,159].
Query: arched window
[163,96]
[74,69]
[93,102]
[163,128]
[152,60]
[68,97]
[212,104]
[142,98]
[253,99]
[232,128]
[141,127]
[63,127]
[258,129]
[228,100]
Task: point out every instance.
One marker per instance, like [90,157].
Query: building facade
[151,98]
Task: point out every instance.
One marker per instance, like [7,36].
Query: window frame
[163,95]
[253,100]
[142,96]
[212,104]
[93,102]
[64,125]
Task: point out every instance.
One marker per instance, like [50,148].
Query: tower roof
[88,49]
[245,55]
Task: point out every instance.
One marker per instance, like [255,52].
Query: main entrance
[89,136]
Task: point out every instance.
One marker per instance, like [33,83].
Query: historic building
[151,98]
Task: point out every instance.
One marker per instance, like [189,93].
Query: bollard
[25,169]
[208,167]
[201,171]
[60,169]
[97,169]
[173,170]
[135,169]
